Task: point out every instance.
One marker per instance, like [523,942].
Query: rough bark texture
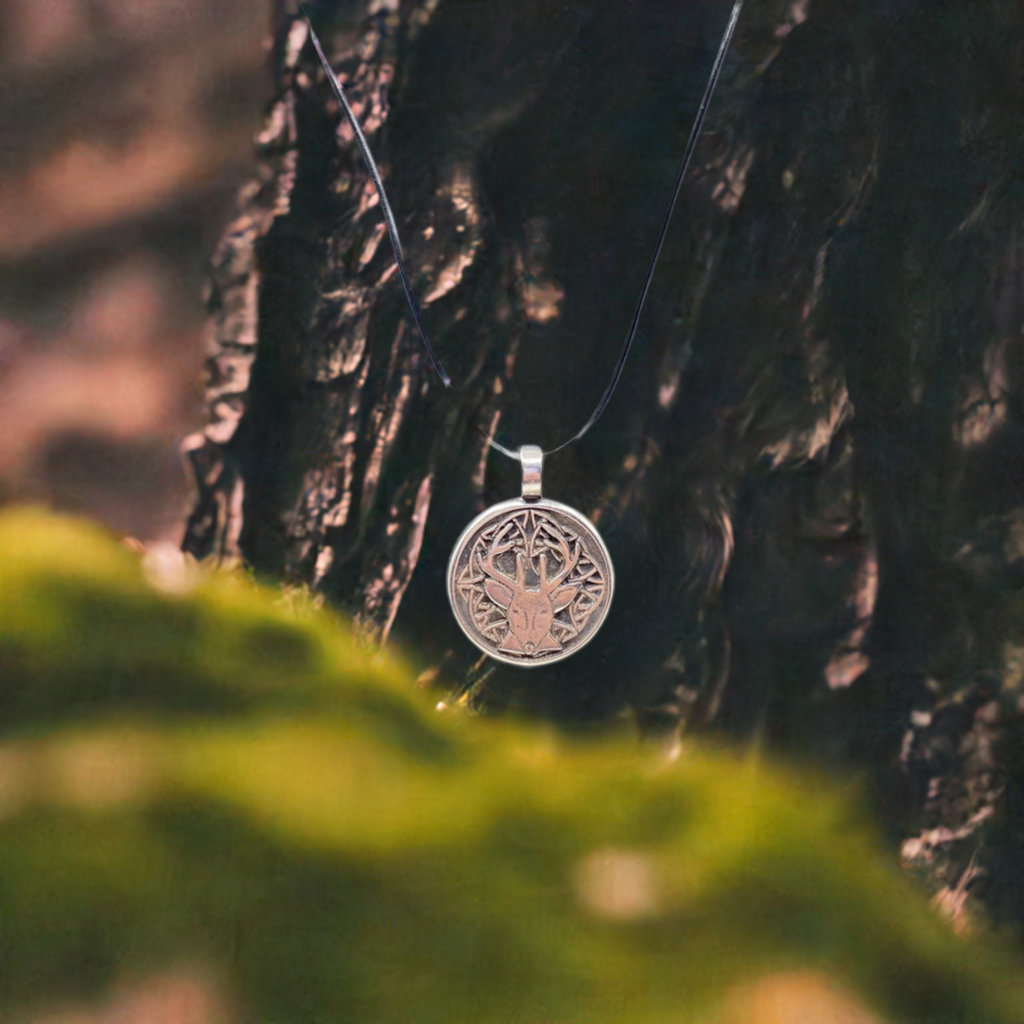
[810,480]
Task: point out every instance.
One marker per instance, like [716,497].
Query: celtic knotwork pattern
[531,584]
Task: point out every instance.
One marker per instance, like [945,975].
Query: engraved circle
[530,582]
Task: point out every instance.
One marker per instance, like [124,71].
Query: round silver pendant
[530,580]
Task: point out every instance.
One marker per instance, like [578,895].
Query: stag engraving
[530,584]
[529,612]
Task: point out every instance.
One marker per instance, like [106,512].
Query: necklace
[530,580]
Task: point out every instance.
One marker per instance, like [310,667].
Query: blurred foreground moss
[192,771]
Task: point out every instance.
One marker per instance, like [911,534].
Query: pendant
[530,581]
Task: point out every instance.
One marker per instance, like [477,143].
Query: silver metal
[532,459]
[530,580]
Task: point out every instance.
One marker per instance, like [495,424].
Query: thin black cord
[389,218]
[691,145]
[396,244]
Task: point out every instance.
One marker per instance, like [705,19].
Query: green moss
[211,773]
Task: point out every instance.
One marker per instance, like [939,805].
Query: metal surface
[532,459]
[530,581]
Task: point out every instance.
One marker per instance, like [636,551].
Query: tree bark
[809,479]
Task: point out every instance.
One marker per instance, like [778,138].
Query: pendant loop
[532,459]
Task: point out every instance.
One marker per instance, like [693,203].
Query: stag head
[529,613]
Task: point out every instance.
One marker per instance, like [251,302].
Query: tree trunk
[810,477]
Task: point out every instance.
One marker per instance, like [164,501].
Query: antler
[494,550]
[569,561]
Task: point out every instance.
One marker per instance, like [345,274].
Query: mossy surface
[195,769]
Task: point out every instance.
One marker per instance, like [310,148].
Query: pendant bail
[532,459]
